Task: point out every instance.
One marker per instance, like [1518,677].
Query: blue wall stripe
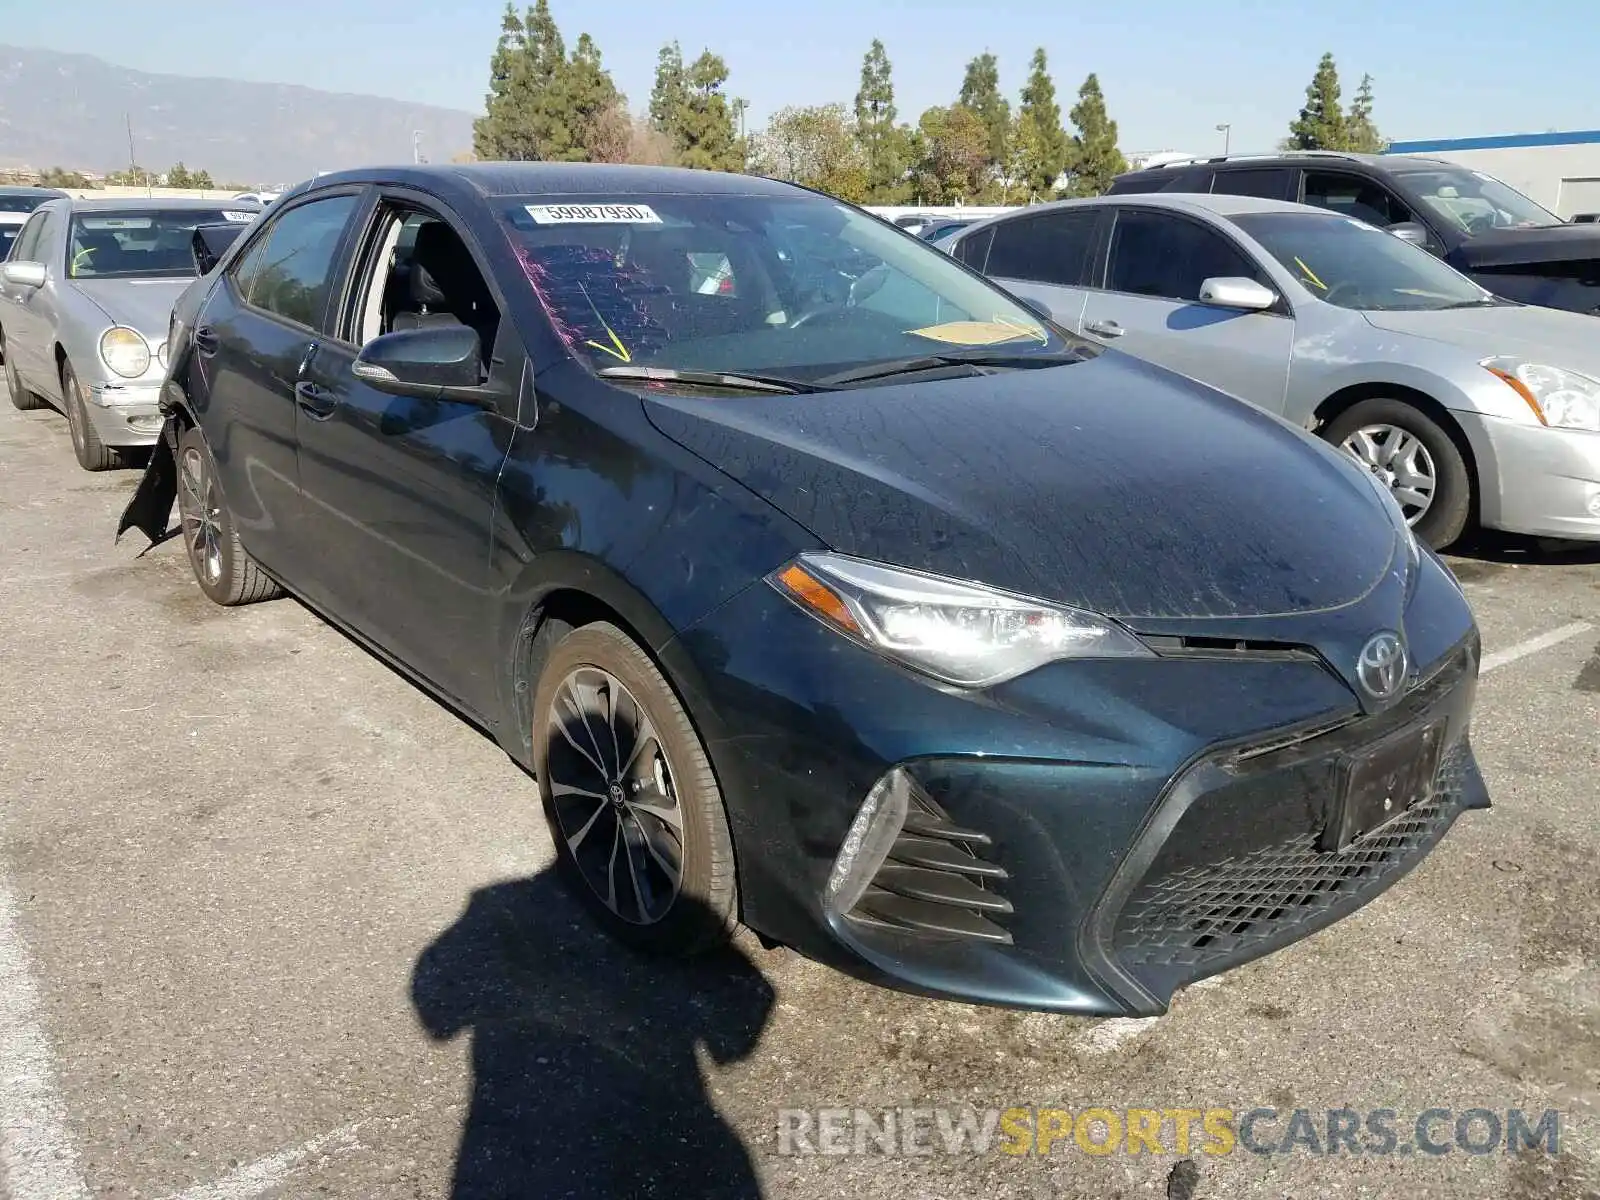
[1510,141]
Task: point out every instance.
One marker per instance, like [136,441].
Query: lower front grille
[1193,917]
[934,880]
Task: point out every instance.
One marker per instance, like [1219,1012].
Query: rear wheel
[1416,458]
[93,454]
[21,397]
[633,805]
[222,567]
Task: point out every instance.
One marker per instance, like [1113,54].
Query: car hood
[1109,484]
[1548,335]
[143,304]
[1532,247]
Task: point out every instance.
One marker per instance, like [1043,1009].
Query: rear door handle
[206,340]
[1108,329]
[316,401]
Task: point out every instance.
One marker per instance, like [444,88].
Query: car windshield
[1354,265]
[140,243]
[1473,202]
[794,285]
[14,203]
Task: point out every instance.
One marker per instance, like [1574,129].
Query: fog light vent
[906,866]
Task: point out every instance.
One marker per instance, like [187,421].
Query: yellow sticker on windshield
[977,333]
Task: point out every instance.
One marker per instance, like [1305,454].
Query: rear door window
[1051,248]
[1169,257]
[289,271]
[1269,183]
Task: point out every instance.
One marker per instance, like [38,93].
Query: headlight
[125,351]
[961,633]
[1559,398]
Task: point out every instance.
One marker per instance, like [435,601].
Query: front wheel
[222,567]
[1416,458]
[633,805]
[91,452]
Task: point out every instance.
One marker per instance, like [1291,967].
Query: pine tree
[669,96]
[1095,160]
[980,92]
[1041,143]
[880,142]
[589,105]
[1361,134]
[1321,123]
[707,137]
[504,130]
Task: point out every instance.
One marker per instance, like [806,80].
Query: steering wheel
[1348,286]
[825,309]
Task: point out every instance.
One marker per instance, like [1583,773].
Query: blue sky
[1171,69]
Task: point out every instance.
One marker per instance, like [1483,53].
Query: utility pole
[1227,136]
[416,145]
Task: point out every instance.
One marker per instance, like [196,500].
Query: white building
[1559,170]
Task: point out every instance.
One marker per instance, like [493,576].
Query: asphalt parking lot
[273,923]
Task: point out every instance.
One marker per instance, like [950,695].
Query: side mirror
[1230,291]
[1038,306]
[24,274]
[439,362]
[1409,231]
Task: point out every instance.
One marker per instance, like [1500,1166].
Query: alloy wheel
[1401,462]
[615,796]
[201,511]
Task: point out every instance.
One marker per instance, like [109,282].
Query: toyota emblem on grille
[1381,668]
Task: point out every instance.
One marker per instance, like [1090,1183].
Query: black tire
[92,453]
[701,914]
[222,567]
[1447,517]
[21,397]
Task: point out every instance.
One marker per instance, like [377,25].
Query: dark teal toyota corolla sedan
[822,585]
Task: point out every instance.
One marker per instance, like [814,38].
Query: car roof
[1200,203]
[28,189]
[145,203]
[1382,162]
[554,178]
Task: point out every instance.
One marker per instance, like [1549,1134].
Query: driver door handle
[1108,329]
[316,401]
[206,340]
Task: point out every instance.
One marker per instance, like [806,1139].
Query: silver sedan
[85,296]
[1470,407]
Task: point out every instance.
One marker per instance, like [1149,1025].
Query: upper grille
[935,882]
[1197,914]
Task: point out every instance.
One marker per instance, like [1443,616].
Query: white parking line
[37,1155]
[260,1177]
[1544,641]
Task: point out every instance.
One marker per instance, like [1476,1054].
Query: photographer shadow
[585,1077]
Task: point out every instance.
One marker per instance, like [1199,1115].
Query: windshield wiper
[779,384]
[929,362]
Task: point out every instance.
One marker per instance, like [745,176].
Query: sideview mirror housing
[437,362]
[1231,291]
[24,274]
[1409,231]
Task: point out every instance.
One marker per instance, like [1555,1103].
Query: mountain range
[74,111]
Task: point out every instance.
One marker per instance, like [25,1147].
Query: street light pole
[1226,131]
[416,145]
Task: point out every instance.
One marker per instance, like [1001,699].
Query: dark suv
[1477,224]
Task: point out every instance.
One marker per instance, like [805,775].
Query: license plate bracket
[1378,785]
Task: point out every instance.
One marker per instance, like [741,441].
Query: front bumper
[1534,480]
[125,414]
[1088,838]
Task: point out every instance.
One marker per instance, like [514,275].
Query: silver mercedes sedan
[1471,408]
[86,292]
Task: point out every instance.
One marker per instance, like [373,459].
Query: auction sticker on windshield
[593,214]
[238,218]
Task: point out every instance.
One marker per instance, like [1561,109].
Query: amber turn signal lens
[816,595]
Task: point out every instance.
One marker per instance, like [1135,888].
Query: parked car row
[820,583]
[1474,409]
